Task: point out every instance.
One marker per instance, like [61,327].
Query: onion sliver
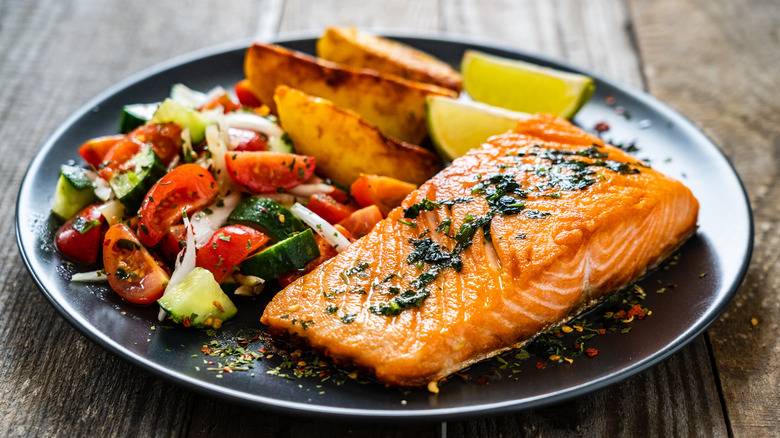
[254,122]
[321,227]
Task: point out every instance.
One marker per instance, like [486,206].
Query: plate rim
[435,414]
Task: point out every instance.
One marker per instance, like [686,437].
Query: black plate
[721,249]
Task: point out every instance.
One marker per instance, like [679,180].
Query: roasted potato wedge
[346,145]
[395,105]
[347,45]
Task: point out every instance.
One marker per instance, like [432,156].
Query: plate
[707,274]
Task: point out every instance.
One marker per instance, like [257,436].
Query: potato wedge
[347,45]
[395,105]
[346,145]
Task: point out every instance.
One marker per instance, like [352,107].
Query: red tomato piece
[172,243]
[132,272]
[328,208]
[224,101]
[247,140]
[326,252]
[80,237]
[266,172]
[382,191]
[95,150]
[120,154]
[245,95]
[165,139]
[186,188]
[362,221]
[227,248]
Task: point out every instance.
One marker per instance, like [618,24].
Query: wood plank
[56,55]
[718,63]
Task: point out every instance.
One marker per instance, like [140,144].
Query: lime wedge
[522,86]
[455,126]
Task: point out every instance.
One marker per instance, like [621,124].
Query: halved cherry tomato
[172,243]
[382,191]
[95,150]
[362,221]
[224,101]
[185,188]
[247,140]
[165,139]
[266,172]
[328,208]
[79,238]
[326,252]
[245,95]
[120,154]
[132,272]
[227,248]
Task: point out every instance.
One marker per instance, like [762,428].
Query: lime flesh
[455,126]
[522,86]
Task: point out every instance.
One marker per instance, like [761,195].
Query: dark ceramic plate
[721,249]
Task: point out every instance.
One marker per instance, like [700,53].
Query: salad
[201,198]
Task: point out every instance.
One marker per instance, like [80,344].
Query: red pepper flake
[610,100]
[482,380]
[228,370]
[591,352]
[186,322]
[558,335]
[540,365]
[637,311]
[602,331]
[576,346]
[601,127]
[205,350]
[262,350]
[620,314]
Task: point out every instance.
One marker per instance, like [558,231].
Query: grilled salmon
[515,237]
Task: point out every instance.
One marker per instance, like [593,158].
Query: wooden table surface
[715,61]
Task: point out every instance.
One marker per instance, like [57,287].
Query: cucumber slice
[136,115]
[281,144]
[198,298]
[267,216]
[173,111]
[74,192]
[295,252]
[145,168]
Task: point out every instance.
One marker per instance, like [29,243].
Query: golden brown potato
[395,105]
[347,45]
[345,145]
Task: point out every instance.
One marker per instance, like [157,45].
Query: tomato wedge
[227,248]
[245,95]
[171,244]
[79,238]
[362,221]
[247,140]
[165,139]
[266,172]
[95,150]
[328,208]
[115,159]
[132,272]
[186,188]
[383,191]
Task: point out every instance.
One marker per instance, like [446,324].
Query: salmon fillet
[513,238]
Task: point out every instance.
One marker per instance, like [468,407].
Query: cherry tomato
[95,150]
[245,95]
[79,238]
[187,187]
[382,191]
[362,221]
[120,154]
[224,101]
[328,208]
[326,252]
[132,272]
[266,172]
[165,139]
[247,140]
[227,248]
[172,243]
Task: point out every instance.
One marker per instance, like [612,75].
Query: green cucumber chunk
[144,169]
[281,144]
[267,216]
[197,297]
[295,252]
[74,192]
[173,111]
[136,115]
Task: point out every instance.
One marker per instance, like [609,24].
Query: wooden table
[715,61]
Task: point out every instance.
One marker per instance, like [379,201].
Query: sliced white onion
[253,122]
[102,190]
[98,276]
[218,150]
[185,261]
[221,209]
[187,96]
[186,143]
[113,211]
[321,227]
[306,190]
